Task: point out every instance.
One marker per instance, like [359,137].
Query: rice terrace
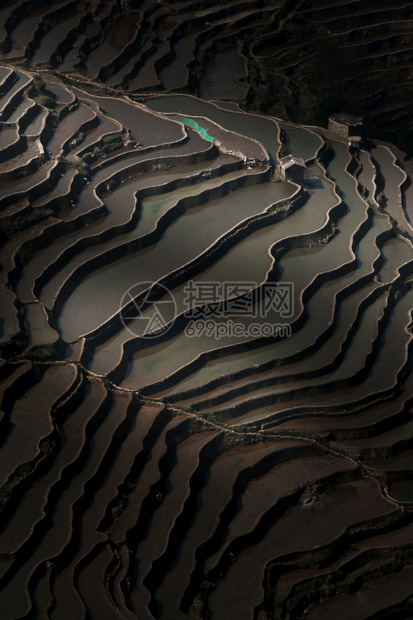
[206,295]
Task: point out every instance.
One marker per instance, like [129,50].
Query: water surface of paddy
[318,309]
[145,128]
[300,141]
[262,129]
[175,75]
[118,37]
[151,209]
[209,221]
[52,39]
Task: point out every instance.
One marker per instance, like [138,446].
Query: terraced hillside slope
[301,59]
[155,463]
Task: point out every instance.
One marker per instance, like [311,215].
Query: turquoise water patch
[201,130]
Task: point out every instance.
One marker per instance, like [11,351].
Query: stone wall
[339,128]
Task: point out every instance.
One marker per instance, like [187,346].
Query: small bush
[112,138]
[84,172]
[42,353]
[284,150]
[46,101]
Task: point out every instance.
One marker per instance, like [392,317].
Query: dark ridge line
[8,82]
[44,524]
[198,479]
[328,6]
[360,405]
[46,25]
[133,475]
[114,578]
[127,53]
[232,508]
[301,376]
[226,10]
[92,42]
[398,418]
[95,336]
[20,339]
[48,447]
[15,99]
[112,571]
[365,11]
[20,171]
[64,46]
[324,556]
[35,191]
[93,483]
[306,294]
[29,377]
[79,506]
[232,550]
[62,227]
[298,356]
[83,128]
[14,149]
[181,274]
[400,610]
[356,379]
[28,116]
[105,257]
[150,503]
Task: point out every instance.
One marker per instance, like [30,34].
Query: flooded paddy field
[206,366]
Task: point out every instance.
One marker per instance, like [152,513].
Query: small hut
[292,168]
[346,125]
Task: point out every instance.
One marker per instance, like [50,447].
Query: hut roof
[346,119]
[291,160]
